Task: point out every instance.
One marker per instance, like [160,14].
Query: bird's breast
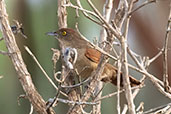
[84,65]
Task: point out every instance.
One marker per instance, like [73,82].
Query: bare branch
[125,109]
[155,57]
[115,93]
[85,12]
[128,92]
[75,102]
[118,87]
[62,14]
[4,53]
[160,109]
[19,65]
[165,55]
[114,31]
[107,9]
[159,84]
[31,109]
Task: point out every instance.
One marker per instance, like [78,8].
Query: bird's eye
[64,33]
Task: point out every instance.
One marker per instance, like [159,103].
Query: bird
[88,57]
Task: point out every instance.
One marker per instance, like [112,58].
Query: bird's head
[67,37]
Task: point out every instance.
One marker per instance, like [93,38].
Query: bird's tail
[110,75]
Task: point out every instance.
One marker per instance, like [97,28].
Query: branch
[142,5]
[159,84]
[115,93]
[85,12]
[165,54]
[159,109]
[75,102]
[128,92]
[19,65]
[62,14]
[4,53]
[108,26]
[107,9]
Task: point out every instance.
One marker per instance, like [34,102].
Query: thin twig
[107,9]
[125,109]
[115,93]
[75,102]
[118,86]
[4,53]
[155,57]
[44,72]
[157,108]
[120,15]
[85,12]
[142,5]
[140,108]
[31,109]
[55,76]
[114,31]
[77,85]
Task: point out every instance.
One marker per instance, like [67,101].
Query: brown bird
[88,57]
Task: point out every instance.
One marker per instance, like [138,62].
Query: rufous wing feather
[93,55]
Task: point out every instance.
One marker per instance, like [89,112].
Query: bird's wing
[93,55]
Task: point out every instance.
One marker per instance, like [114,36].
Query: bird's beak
[52,34]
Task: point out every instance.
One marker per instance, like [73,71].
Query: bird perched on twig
[87,57]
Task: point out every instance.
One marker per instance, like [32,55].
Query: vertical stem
[62,14]
[118,87]
[165,50]
[107,9]
[128,92]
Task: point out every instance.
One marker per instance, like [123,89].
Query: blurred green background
[146,35]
